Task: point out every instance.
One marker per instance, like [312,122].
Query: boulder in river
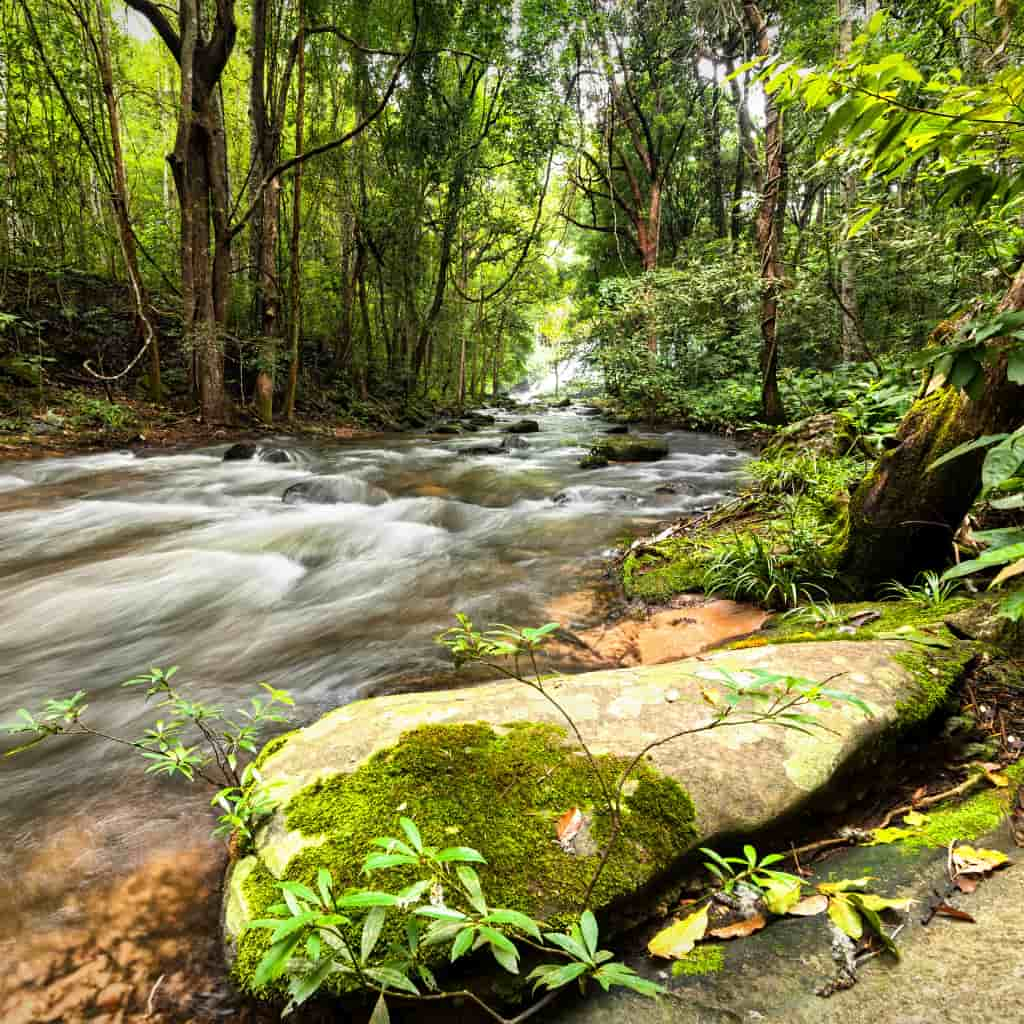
[494,768]
[523,427]
[482,419]
[334,490]
[274,455]
[241,451]
[507,444]
[593,461]
[446,428]
[619,428]
[630,449]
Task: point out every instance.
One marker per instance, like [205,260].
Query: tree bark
[199,167]
[851,345]
[903,516]
[769,231]
[296,255]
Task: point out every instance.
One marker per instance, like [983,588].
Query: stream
[113,563]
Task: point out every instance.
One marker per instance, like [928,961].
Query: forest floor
[71,421]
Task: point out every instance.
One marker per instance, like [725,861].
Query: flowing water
[112,563]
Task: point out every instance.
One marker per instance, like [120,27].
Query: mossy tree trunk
[903,517]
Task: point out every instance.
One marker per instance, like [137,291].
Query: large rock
[493,767]
[334,490]
[825,433]
[523,427]
[630,449]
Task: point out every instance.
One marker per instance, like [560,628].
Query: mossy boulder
[523,427]
[630,449]
[494,768]
[825,433]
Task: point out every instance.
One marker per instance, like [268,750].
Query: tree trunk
[296,255]
[769,231]
[903,516]
[851,346]
[199,166]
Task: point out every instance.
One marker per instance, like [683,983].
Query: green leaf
[380,1013]
[515,920]
[1015,367]
[391,978]
[462,943]
[845,917]
[307,985]
[780,895]
[570,945]
[380,861]
[412,832]
[366,898]
[275,960]
[298,889]
[589,931]
[510,961]
[1003,461]
[1013,607]
[862,221]
[471,883]
[986,560]
[625,977]
[461,853]
[551,977]
[372,926]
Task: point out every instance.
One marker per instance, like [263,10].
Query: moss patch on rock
[663,570]
[498,791]
[966,819]
[703,959]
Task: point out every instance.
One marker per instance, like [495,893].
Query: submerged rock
[494,768]
[274,455]
[334,490]
[510,443]
[619,428]
[593,461]
[446,428]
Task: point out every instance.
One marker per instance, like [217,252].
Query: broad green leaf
[588,929]
[986,560]
[551,977]
[462,943]
[412,833]
[1009,572]
[461,853]
[862,221]
[366,898]
[1003,462]
[516,920]
[372,926]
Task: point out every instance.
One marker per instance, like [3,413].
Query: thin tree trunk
[296,256]
[769,230]
[851,346]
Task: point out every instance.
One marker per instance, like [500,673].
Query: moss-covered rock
[630,449]
[494,768]
[826,433]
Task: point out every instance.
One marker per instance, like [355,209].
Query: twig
[152,995]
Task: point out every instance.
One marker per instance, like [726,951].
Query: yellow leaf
[710,695]
[874,902]
[969,860]
[915,819]
[845,917]
[1008,573]
[881,836]
[997,779]
[846,885]
[678,939]
[780,896]
[810,906]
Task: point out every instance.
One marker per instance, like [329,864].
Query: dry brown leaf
[569,825]
[945,910]
[966,885]
[810,906]
[970,860]
[919,794]
[739,929]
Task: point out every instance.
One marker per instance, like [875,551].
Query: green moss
[501,794]
[658,573]
[709,959]
[967,819]
[271,748]
[937,673]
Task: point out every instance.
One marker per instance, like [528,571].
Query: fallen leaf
[970,860]
[882,836]
[569,825]
[739,929]
[845,917]
[678,939]
[945,910]
[997,779]
[872,901]
[711,696]
[810,906]
[966,884]
[780,895]
[845,885]
[915,819]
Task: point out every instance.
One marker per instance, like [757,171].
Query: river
[113,563]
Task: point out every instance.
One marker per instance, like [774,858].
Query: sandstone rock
[442,758]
